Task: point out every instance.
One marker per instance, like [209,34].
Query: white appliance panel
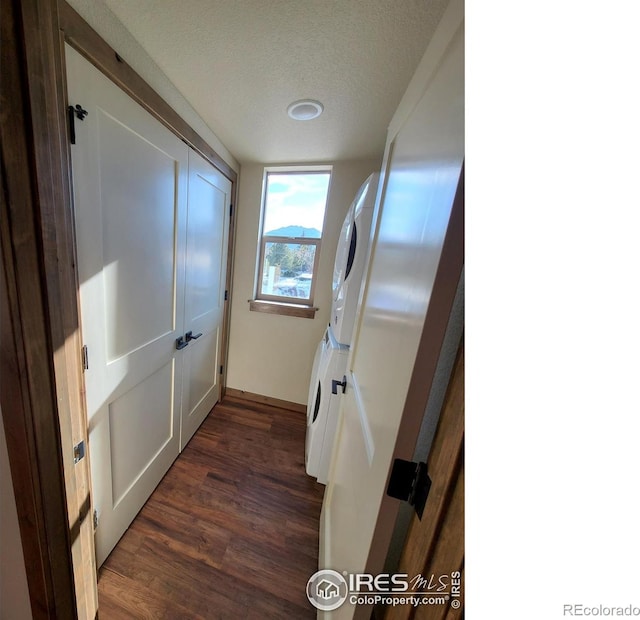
[323,407]
[350,262]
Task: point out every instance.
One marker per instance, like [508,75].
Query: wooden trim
[53,162]
[435,543]
[71,367]
[226,320]
[266,400]
[277,307]
[36,405]
[18,418]
[96,50]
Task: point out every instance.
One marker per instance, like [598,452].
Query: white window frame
[263,240]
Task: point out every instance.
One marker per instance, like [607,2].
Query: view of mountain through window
[293,216]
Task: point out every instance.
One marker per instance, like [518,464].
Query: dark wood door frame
[41,387]
[38,302]
[435,542]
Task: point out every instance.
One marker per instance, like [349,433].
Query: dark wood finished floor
[230,532]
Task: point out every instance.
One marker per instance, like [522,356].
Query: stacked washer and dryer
[330,362]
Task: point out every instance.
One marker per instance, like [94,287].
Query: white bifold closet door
[209,199]
[152,221]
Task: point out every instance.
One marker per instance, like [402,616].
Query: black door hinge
[78,452]
[85,358]
[226,295]
[230,210]
[72,113]
[410,483]
[221,369]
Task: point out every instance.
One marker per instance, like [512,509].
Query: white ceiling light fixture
[305,110]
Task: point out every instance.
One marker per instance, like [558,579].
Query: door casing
[45,414]
[40,390]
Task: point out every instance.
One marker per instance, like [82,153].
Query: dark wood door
[435,543]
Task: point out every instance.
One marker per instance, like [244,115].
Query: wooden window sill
[278,307]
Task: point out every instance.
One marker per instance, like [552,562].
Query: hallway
[230,532]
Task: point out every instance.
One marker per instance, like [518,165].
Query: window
[292,219]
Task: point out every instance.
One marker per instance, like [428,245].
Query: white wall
[110,28]
[14,592]
[272,354]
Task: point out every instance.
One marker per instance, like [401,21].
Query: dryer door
[352,256]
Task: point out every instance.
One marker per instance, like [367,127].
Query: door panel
[209,196]
[137,195]
[130,191]
[203,359]
[134,443]
[206,268]
[423,165]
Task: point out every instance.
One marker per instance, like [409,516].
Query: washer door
[316,408]
[313,382]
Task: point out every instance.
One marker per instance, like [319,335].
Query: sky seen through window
[296,200]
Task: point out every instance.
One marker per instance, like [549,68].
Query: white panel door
[206,267]
[130,192]
[423,169]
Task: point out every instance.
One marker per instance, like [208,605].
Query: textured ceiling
[240,63]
